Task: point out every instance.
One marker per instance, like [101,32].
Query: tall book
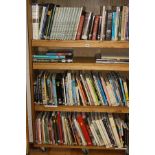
[109,23]
[80,26]
[35,21]
[84,129]
[95,28]
[112,123]
[103,24]
[86,25]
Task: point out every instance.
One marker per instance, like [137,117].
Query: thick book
[109,23]
[84,129]
[86,25]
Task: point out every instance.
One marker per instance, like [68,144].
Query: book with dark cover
[60,127]
[59,90]
[95,28]
[109,23]
[84,129]
[99,28]
[86,25]
[120,23]
[56,136]
[91,27]
[47,139]
[48,18]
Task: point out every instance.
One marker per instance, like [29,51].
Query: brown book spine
[96,21]
[79,30]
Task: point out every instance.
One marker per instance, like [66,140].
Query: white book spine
[70,88]
[35,21]
[64,129]
[80,132]
[103,24]
[113,126]
[105,133]
[93,132]
[117,22]
[101,133]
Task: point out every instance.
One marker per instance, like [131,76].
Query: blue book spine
[102,91]
[74,92]
[54,90]
[54,54]
[48,57]
[122,89]
[113,25]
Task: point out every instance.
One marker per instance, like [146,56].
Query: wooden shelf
[119,109]
[77,147]
[81,66]
[80,43]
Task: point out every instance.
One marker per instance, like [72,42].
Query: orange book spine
[79,30]
[96,22]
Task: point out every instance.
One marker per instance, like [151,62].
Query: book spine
[112,123]
[91,28]
[113,25]
[79,30]
[35,21]
[86,25]
[84,130]
[96,22]
[109,25]
[103,23]
[99,28]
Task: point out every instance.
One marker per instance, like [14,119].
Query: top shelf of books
[80,43]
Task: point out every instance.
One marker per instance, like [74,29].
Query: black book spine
[109,25]
[59,90]
[99,28]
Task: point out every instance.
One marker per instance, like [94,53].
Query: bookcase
[84,52]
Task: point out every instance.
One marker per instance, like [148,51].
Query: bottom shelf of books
[81,130]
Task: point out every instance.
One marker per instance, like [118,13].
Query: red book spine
[96,22]
[79,30]
[84,129]
[60,128]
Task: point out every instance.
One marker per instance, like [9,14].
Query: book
[109,24]
[95,28]
[86,25]
[35,21]
[80,26]
[84,130]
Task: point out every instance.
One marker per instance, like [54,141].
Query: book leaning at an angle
[112,123]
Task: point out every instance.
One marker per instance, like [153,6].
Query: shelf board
[110,109]
[77,147]
[80,43]
[81,66]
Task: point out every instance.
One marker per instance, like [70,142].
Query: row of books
[86,129]
[81,88]
[50,21]
[52,56]
[101,58]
